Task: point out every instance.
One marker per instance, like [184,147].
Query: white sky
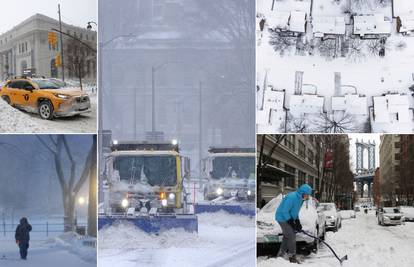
[365,137]
[75,12]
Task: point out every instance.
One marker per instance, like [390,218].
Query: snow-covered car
[269,232]
[357,208]
[408,212]
[390,216]
[333,217]
[347,214]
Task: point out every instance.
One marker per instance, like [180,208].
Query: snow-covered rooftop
[407,23]
[371,24]
[403,7]
[328,25]
[297,21]
[351,103]
[293,21]
[392,108]
[306,104]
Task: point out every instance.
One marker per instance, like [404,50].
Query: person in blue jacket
[287,215]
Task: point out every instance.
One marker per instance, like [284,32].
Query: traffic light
[58,61]
[52,39]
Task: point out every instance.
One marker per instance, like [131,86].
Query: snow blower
[344,258]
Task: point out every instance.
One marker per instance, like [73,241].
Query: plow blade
[242,209]
[153,224]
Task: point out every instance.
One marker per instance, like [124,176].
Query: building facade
[389,167]
[25,48]
[295,161]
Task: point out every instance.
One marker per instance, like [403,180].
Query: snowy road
[366,244]
[222,240]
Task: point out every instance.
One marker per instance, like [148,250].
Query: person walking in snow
[22,237]
[287,215]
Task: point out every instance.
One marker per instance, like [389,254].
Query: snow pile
[226,220]
[126,236]
[15,121]
[76,244]
[222,240]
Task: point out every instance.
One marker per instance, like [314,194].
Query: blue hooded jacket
[290,206]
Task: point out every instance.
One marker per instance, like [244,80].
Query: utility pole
[61,44]
[153,99]
[200,131]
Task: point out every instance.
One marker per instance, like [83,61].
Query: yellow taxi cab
[49,98]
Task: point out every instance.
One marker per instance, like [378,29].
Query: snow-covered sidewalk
[222,240]
[365,242]
[62,251]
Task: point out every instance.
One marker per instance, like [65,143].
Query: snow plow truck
[230,183]
[143,185]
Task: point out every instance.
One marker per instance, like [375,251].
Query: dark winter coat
[22,231]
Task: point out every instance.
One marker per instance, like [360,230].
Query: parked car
[347,214]
[333,218]
[50,98]
[356,208]
[269,233]
[390,216]
[408,212]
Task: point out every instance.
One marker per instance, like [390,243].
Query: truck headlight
[249,192]
[219,191]
[171,196]
[164,202]
[125,203]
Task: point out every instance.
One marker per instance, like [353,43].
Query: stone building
[25,48]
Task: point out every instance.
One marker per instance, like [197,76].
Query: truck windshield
[237,167]
[153,170]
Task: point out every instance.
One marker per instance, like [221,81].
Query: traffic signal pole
[61,44]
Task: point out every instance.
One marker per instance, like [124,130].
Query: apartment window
[290,142]
[290,181]
[397,156]
[301,177]
[311,157]
[302,149]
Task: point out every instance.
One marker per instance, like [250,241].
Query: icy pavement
[366,244]
[222,240]
[62,251]
[16,121]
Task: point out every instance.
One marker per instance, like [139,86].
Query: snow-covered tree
[355,49]
[328,123]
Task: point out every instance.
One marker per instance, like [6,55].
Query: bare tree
[374,46]
[296,125]
[281,44]
[355,49]
[327,48]
[70,186]
[328,123]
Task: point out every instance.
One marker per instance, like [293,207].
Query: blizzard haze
[28,180]
[75,12]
